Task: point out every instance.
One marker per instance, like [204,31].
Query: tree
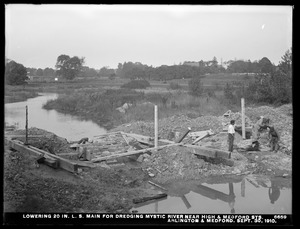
[15,73]
[40,72]
[67,67]
[49,72]
[285,65]
[265,65]
[195,86]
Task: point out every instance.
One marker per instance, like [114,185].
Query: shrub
[195,87]
[174,86]
[136,84]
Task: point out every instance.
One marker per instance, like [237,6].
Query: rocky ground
[112,188]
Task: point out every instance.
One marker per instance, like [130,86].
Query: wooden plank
[146,139]
[111,133]
[183,135]
[63,163]
[200,137]
[119,154]
[209,152]
[147,198]
[152,183]
[140,138]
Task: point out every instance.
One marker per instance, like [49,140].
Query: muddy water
[67,126]
[244,197]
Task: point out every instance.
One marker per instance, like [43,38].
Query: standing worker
[260,124]
[274,139]
[231,133]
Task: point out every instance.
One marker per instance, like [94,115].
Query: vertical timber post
[243,118]
[155,127]
[26,127]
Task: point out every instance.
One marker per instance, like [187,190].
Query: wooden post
[155,127]
[26,127]
[243,118]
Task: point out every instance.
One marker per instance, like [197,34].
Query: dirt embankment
[112,188]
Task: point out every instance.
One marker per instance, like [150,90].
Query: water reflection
[263,197]
[274,192]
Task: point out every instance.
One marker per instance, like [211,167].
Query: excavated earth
[112,187]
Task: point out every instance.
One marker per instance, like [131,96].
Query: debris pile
[46,140]
[178,163]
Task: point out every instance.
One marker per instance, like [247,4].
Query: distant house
[191,63]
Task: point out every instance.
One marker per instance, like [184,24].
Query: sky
[106,35]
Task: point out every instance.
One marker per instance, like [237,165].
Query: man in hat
[231,133]
[262,123]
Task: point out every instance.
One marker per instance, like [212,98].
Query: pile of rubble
[179,163]
[44,140]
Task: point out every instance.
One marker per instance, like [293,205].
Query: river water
[70,127]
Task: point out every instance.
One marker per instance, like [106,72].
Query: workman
[231,133]
[274,139]
[262,123]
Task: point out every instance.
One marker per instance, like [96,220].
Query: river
[70,127]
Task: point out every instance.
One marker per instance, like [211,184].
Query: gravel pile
[48,142]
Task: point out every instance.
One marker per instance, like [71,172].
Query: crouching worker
[274,139]
[231,133]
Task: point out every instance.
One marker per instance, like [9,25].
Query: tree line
[71,67]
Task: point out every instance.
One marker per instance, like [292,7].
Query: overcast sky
[151,34]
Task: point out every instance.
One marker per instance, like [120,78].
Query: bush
[136,84]
[195,87]
[174,86]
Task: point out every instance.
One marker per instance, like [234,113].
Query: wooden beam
[119,154]
[111,133]
[146,139]
[62,162]
[147,198]
[152,183]
[208,152]
[200,137]
[183,135]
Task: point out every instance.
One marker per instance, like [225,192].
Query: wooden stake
[155,127]
[243,118]
[26,127]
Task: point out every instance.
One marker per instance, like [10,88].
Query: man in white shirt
[231,133]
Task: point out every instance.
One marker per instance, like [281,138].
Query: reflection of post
[231,198]
[243,185]
[156,206]
[26,128]
[155,127]
[243,118]
[186,202]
